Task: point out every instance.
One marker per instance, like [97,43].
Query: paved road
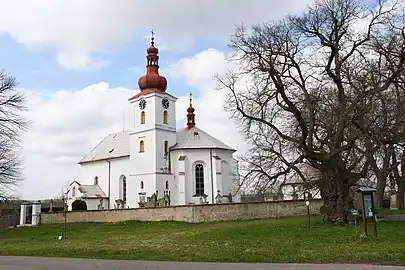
[33,263]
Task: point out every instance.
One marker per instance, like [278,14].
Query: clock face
[142,104]
[165,103]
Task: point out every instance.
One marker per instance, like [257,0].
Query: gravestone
[394,205]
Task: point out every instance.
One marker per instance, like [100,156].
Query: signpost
[355,213]
[368,208]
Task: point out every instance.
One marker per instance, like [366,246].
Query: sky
[79,62]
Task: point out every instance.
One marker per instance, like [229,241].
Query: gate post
[36,213]
[23,213]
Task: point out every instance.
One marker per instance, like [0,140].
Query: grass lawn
[277,240]
[386,212]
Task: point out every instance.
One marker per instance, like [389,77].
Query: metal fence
[9,221]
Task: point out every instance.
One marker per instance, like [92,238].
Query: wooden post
[309,217]
[374,217]
[364,214]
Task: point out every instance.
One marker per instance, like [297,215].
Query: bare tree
[398,174]
[12,124]
[307,76]
[382,121]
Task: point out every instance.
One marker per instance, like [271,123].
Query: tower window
[96,180]
[142,185]
[165,117]
[141,146]
[199,179]
[142,117]
[167,185]
[166,149]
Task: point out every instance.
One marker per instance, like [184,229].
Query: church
[154,159]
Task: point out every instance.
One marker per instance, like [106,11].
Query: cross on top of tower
[152,38]
[190,114]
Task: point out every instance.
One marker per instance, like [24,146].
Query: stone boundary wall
[9,221]
[191,213]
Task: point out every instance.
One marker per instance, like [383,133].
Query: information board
[368,205]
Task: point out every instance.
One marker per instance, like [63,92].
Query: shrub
[79,205]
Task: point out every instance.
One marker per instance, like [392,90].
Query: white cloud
[76,29]
[66,124]
[80,61]
[199,71]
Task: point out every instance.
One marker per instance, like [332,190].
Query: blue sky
[36,67]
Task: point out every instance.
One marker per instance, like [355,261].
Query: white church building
[187,165]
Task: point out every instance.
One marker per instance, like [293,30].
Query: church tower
[153,129]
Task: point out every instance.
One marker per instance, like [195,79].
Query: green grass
[277,240]
[386,212]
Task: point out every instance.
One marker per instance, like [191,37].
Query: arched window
[96,180]
[142,186]
[199,179]
[74,192]
[142,117]
[141,146]
[165,117]
[123,187]
[166,149]
[167,185]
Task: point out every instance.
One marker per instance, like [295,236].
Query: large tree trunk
[381,185]
[401,196]
[399,177]
[335,191]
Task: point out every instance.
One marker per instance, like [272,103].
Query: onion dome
[152,80]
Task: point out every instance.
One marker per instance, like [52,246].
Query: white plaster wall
[161,180]
[149,113]
[144,162]
[92,204]
[154,112]
[154,132]
[176,167]
[134,188]
[225,183]
[88,171]
[192,158]
[230,178]
[119,166]
[171,112]
[70,197]
[162,136]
